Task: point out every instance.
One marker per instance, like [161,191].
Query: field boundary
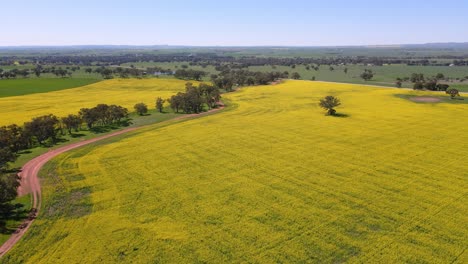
[386,87]
[29,174]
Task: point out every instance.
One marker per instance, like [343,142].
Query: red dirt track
[30,181]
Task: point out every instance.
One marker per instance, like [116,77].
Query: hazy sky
[237,22]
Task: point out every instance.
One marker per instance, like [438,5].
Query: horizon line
[228,46]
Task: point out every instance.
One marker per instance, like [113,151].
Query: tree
[453,92]
[102,113]
[418,86]
[398,84]
[43,128]
[329,103]
[210,93]
[117,112]
[296,76]
[189,74]
[38,71]
[88,116]
[160,104]
[439,76]
[141,108]
[71,122]
[417,77]
[9,183]
[345,70]
[192,99]
[6,156]
[13,137]
[442,87]
[367,75]
[224,82]
[106,73]
[176,102]
[431,85]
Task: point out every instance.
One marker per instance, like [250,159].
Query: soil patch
[425,99]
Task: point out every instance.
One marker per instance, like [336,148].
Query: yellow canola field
[269,180]
[125,92]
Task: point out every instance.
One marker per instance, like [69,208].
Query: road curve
[30,180]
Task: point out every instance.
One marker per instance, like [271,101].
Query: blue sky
[232,23]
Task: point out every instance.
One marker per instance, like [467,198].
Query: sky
[232,23]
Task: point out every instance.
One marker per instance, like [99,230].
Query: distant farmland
[385,75]
[269,180]
[15,87]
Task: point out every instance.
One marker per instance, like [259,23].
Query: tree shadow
[77,135]
[15,212]
[100,129]
[125,123]
[50,143]
[340,115]
[13,170]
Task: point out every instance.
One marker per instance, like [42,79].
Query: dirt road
[30,180]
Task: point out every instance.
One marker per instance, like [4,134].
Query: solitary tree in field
[160,104]
[453,92]
[440,76]
[367,75]
[38,71]
[141,108]
[296,76]
[329,103]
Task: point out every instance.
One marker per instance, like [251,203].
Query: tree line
[215,59]
[105,72]
[189,74]
[38,71]
[421,82]
[229,78]
[193,99]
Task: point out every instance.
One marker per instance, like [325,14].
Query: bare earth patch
[425,99]
[276,82]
